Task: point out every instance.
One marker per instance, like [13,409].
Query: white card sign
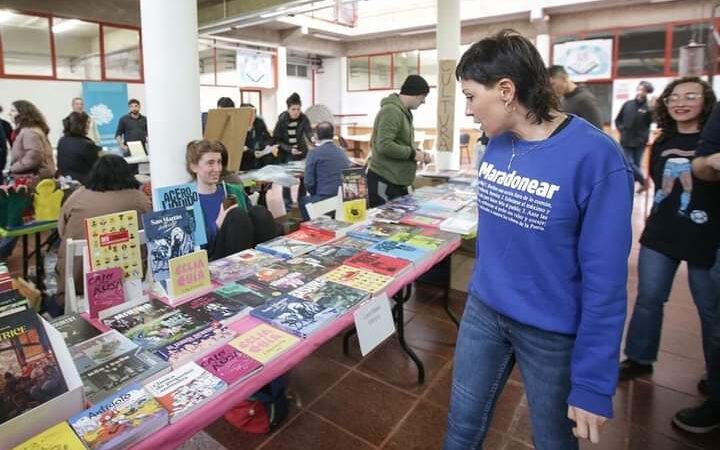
[374,323]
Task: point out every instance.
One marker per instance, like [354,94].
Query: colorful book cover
[57,437]
[436,213]
[421,221]
[378,231]
[264,342]
[359,279]
[419,240]
[445,236]
[294,315]
[136,315]
[309,265]
[12,301]
[407,202]
[355,211]
[285,248]
[311,236]
[239,265]
[330,294]
[133,367]
[399,250]
[354,243]
[333,256]
[461,224]
[212,307]
[184,196]
[185,389]
[74,328]
[229,364]
[165,330]
[100,349]
[113,241]
[105,289]
[389,214]
[354,184]
[248,292]
[120,420]
[168,234]
[195,345]
[267,275]
[31,374]
[382,264]
[325,224]
[189,273]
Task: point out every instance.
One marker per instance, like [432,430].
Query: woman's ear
[506,87]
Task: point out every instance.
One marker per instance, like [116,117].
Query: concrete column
[172,85]
[448,120]
[281,92]
[541,25]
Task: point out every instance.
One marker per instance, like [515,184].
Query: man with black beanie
[393,162]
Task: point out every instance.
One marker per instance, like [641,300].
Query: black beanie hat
[415,85]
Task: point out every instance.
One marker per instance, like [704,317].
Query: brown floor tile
[424,429]
[201,441]
[311,432]
[494,441]
[678,373]
[392,365]
[422,296]
[313,377]
[432,335]
[365,407]
[681,341]
[521,429]
[614,434]
[506,406]
[643,439]
[516,445]
[439,392]
[232,438]
[333,349]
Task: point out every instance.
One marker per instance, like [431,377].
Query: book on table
[332,255]
[57,437]
[400,250]
[419,240]
[378,231]
[213,307]
[230,365]
[359,279]
[196,345]
[378,263]
[104,290]
[264,342]
[11,302]
[284,247]
[168,234]
[421,221]
[336,228]
[136,315]
[240,265]
[329,294]
[74,328]
[295,315]
[113,240]
[165,329]
[311,236]
[250,293]
[184,196]
[189,277]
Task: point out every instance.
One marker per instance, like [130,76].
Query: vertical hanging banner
[106,103]
[446,105]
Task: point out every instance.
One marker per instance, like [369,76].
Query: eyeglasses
[690,97]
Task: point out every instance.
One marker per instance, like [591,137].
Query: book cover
[100,349]
[354,184]
[31,374]
[311,236]
[419,240]
[354,243]
[294,315]
[461,224]
[399,250]
[267,275]
[382,264]
[229,364]
[378,231]
[133,367]
[184,196]
[12,301]
[333,256]
[74,328]
[120,420]
[57,437]
[195,345]
[249,293]
[105,289]
[239,265]
[309,265]
[113,241]
[359,279]
[421,221]
[355,211]
[168,234]
[189,273]
[184,389]
[264,342]
[389,214]
[285,248]
[436,213]
[325,224]
[136,315]
[330,294]
[212,307]
[164,330]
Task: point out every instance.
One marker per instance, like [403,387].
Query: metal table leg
[400,299]
[39,264]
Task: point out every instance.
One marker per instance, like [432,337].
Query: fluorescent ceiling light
[5,15]
[313,6]
[65,26]
[410,33]
[325,36]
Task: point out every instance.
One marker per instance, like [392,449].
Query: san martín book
[184,196]
[74,328]
[113,241]
[359,279]
[57,437]
[120,420]
[264,342]
[229,364]
[295,315]
[31,373]
[168,234]
[185,389]
[195,345]
[136,315]
[330,294]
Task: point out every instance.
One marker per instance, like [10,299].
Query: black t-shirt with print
[685,220]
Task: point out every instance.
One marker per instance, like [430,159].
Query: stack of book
[327,225]
[284,247]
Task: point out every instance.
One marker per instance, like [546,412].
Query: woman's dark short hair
[225,102]
[76,124]
[507,54]
[294,99]
[666,123]
[111,173]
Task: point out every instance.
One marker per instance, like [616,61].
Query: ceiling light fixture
[413,32]
[325,36]
[5,15]
[65,26]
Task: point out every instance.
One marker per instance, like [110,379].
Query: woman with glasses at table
[684,224]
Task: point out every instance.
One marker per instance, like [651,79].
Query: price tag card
[374,323]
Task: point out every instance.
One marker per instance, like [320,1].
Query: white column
[281,92]
[172,85]
[448,45]
[541,25]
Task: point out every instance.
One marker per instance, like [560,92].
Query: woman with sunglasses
[684,224]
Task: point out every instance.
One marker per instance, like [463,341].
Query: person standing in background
[257,140]
[78,106]
[633,122]
[292,135]
[132,127]
[575,99]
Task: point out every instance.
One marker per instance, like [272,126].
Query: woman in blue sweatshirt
[548,290]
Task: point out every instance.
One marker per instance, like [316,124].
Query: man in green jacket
[394,157]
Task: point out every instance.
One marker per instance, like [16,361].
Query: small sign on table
[374,323]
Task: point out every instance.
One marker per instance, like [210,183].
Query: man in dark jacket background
[633,122]
[575,99]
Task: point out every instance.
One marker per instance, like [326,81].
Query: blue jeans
[655,278]
[634,157]
[487,347]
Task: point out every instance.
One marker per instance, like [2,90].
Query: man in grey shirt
[575,99]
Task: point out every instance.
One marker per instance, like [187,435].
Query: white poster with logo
[590,59]
[255,69]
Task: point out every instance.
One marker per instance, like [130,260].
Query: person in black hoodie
[633,122]
[258,137]
[76,153]
[293,136]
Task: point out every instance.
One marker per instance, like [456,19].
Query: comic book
[184,196]
[104,290]
[285,248]
[239,265]
[114,241]
[120,420]
[212,307]
[418,240]
[230,365]
[168,234]
[333,256]
[165,330]
[196,345]
[330,294]
[336,228]
[382,264]
[354,243]
[100,349]
[57,437]
[311,236]
[136,315]
[74,328]
[250,293]
[359,279]
[294,315]
[189,275]
[400,250]
[421,221]
[378,231]
[264,342]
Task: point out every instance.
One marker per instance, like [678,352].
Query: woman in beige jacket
[31,152]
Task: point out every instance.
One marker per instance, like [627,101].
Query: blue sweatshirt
[323,169]
[553,241]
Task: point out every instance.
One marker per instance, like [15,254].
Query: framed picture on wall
[252,96]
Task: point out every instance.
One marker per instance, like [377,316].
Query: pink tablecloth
[175,434]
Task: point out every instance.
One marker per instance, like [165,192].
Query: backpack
[263,411]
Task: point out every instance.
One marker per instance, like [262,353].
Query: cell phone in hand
[229,201]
